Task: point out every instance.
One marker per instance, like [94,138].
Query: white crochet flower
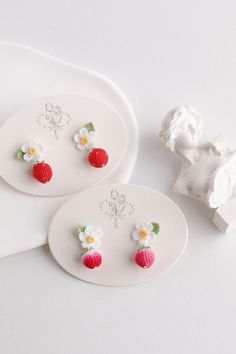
[31,152]
[84,139]
[144,234]
[90,237]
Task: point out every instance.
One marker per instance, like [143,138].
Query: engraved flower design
[144,234]
[90,237]
[30,152]
[85,138]
[117,207]
[54,118]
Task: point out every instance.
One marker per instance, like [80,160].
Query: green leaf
[90,127]
[19,155]
[156,228]
[80,228]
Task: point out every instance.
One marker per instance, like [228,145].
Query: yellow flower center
[32,151]
[84,140]
[143,233]
[90,239]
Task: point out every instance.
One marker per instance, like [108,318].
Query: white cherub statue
[208,170]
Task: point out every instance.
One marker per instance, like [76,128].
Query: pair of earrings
[84,139]
[90,238]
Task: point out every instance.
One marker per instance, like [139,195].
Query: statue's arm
[223,183]
[217,144]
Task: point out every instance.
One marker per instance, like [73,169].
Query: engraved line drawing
[117,207]
[54,119]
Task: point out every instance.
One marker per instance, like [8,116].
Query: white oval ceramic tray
[115,209]
[27,75]
[71,169]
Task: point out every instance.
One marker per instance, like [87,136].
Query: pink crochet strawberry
[90,238]
[85,140]
[144,234]
[145,257]
[92,259]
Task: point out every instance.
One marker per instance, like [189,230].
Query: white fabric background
[162,54]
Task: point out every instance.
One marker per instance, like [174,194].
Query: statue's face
[186,136]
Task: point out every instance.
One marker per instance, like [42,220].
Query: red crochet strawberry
[42,172]
[31,153]
[85,140]
[145,257]
[92,259]
[98,158]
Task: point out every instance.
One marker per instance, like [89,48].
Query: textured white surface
[162,54]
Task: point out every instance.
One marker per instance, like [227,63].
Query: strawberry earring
[90,238]
[144,235]
[85,140]
[31,152]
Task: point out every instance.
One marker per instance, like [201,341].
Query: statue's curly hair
[171,122]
